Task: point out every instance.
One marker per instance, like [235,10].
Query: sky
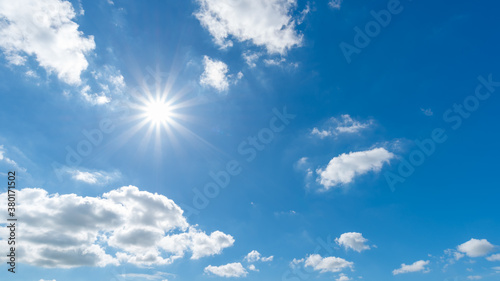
[264,140]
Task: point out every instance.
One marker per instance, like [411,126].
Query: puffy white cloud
[215,75]
[415,267]
[228,270]
[353,240]
[343,277]
[343,125]
[343,168]
[143,228]
[327,264]
[474,277]
[266,23]
[476,248]
[46,31]
[252,268]
[254,256]
[494,257]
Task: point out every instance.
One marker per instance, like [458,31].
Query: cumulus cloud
[215,75]
[265,23]
[343,277]
[254,256]
[46,31]
[228,270]
[354,241]
[476,248]
[327,264]
[343,168]
[343,125]
[418,266]
[142,228]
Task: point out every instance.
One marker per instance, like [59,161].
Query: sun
[158,112]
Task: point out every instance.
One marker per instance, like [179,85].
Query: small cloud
[335,4]
[343,125]
[215,75]
[327,264]
[252,268]
[94,177]
[427,112]
[254,256]
[418,266]
[354,241]
[475,277]
[476,248]
[228,270]
[343,277]
[345,167]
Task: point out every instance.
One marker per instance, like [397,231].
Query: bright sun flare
[158,112]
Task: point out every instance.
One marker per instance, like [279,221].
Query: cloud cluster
[140,227]
[46,31]
[266,23]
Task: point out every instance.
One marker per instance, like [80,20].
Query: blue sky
[253,140]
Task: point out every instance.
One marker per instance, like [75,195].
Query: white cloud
[494,257]
[252,268]
[254,256]
[250,58]
[353,240]
[47,280]
[343,125]
[95,177]
[476,248]
[157,276]
[415,267]
[474,277]
[266,23]
[328,264]
[343,168]
[335,4]
[215,75]
[228,270]
[46,31]
[143,228]
[343,277]
[496,268]
[11,163]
